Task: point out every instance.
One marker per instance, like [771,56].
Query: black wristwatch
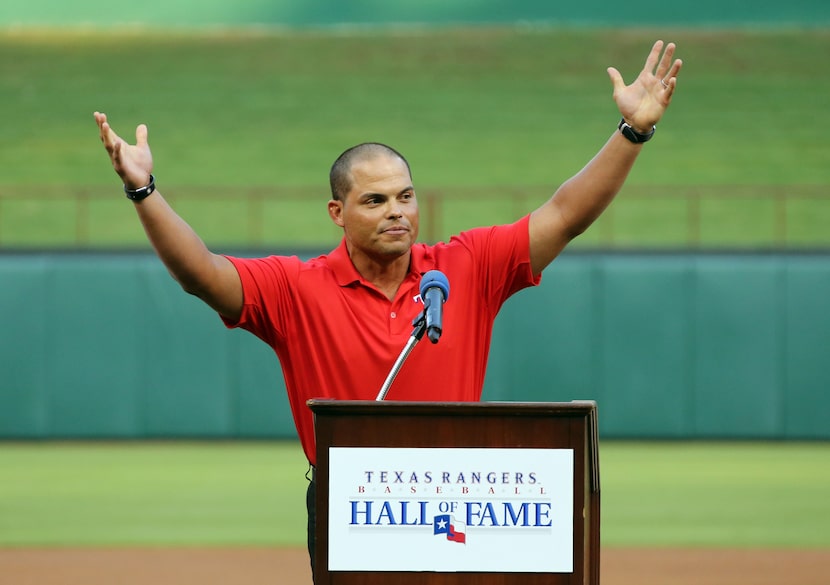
[634,136]
[143,192]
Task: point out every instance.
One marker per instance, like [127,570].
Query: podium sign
[450,509]
[438,493]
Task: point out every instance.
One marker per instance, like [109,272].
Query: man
[338,322]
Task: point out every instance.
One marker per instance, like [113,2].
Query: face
[379,215]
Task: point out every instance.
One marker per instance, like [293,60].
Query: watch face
[633,135]
[629,133]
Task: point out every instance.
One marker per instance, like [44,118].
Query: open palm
[643,103]
[133,163]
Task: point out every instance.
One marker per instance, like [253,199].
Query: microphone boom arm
[420,324]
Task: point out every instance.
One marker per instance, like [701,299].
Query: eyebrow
[371,194]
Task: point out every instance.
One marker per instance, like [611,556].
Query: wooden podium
[570,427]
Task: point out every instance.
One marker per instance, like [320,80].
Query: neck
[385,274]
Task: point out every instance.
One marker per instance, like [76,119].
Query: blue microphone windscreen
[435,278]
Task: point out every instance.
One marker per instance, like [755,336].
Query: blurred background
[694,309]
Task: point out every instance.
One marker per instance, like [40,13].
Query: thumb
[141,135]
[616,79]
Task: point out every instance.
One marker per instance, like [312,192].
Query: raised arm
[583,197]
[209,276]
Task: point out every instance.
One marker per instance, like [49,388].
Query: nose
[394,211]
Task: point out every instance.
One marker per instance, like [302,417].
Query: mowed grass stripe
[723,494]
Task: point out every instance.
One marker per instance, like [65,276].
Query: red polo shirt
[337,336]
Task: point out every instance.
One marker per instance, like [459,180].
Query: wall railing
[695,217]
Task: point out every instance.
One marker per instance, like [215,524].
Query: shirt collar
[421,261]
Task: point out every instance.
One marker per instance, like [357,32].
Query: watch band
[143,192]
[634,136]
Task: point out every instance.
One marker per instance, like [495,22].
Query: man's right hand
[133,163]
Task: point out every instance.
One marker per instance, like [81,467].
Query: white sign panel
[447,510]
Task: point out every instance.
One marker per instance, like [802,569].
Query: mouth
[396,230]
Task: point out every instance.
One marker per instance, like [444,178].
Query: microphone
[435,290]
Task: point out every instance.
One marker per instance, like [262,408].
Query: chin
[396,249]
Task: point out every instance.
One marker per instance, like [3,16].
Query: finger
[100,119]
[665,61]
[675,68]
[653,56]
[115,154]
[141,135]
[108,136]
[670,80]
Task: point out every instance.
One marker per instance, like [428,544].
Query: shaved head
[340,176]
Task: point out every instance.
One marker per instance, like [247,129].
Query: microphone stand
[420,324]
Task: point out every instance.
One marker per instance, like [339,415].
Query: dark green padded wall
[670,345]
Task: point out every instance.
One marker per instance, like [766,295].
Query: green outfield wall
[670,345]
[296,13]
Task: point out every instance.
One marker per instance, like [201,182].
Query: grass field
[770,495]
[244,126]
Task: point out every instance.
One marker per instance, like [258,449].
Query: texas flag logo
[446,524]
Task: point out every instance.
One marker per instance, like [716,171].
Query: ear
[336,212]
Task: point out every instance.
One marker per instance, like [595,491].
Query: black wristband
[143,192]
[634,136]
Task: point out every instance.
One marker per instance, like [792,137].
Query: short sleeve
[502,254]
[267,294]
